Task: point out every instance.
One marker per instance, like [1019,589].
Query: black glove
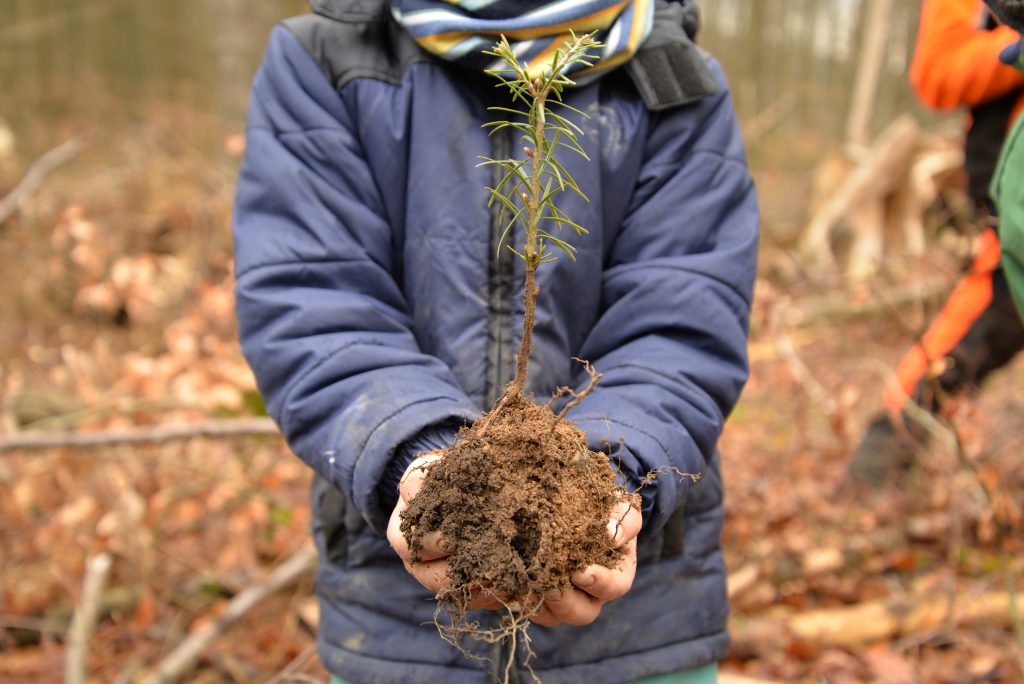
[1010,12]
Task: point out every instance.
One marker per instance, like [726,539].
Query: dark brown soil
[522,507]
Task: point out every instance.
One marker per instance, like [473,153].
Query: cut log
[883,169]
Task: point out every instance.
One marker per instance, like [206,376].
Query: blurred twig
[183,659]
[768,119]
[291,670]
[37,173]
[214,428]
[84,621]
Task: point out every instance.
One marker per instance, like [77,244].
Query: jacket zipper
[501,285]
[500,355]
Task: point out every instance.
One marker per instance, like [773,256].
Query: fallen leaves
[835,583]
[126,319]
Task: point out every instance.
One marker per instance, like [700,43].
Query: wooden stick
[183,659]
[222,428]
[36,174]
[84,620]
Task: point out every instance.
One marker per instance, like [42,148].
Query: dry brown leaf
[890,667]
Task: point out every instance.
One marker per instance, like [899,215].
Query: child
[378,312]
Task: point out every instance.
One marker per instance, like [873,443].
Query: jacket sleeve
[1008,192]
[956,60]
[322,320]
[671,340]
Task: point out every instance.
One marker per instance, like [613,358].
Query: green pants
[701,675]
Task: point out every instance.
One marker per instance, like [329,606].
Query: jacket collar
[353,11]
[669,70]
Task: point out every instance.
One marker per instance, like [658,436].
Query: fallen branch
[84,621]
[872,621]
[730,678]
[36,174]
[229,427]
[183,659]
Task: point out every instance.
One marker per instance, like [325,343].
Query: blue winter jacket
[379,315]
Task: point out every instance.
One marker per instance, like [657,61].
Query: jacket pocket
[328,519]
[673,531]
[666,542]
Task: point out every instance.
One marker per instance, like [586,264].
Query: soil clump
[521,507]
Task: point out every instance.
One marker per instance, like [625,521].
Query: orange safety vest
[956,59]
[956,64]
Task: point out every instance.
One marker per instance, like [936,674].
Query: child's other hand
[430,568]
[596,585]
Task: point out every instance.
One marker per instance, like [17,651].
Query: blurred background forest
[138,474]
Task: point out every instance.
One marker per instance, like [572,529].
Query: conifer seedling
[519,499]
[529,186]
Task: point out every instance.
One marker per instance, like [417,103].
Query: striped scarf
[459,30]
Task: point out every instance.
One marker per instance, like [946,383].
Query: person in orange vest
[956,64]
[1008,184]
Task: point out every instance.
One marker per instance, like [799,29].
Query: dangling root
[514,625]
[493,413]
[650,476]
[577,397]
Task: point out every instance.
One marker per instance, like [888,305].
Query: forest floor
[118,314]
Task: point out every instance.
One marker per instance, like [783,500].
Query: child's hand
[430,568]
[596,585]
